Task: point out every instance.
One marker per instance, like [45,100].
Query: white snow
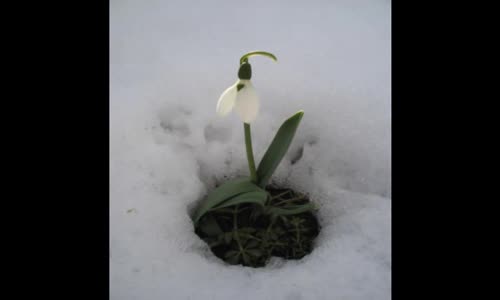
[170,61]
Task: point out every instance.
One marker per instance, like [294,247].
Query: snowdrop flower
[241,96]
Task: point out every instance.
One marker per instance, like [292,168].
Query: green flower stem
[235,229]
[245,57]
[251,161]
[248,137]
[289,200]
[279,195]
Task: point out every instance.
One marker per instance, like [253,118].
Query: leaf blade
[257,197]
[291,211]
[278,148]
[210,227]
[220,194]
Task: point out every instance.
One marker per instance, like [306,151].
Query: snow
[170,61]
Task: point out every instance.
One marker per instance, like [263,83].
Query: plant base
[246,235]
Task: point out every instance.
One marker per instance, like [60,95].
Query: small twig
[290,200]
[281,194]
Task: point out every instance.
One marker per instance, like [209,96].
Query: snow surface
[170,61]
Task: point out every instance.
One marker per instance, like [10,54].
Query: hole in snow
[251,235]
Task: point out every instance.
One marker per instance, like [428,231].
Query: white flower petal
[247,103]
[227,100]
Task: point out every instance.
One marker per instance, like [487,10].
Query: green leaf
[214,243]
[278,148]
[291,211]
[209,226]
[228,237]
[257,197]
[273,235]
[246,259]
[252,244]
[231,253]
[233,260]
[223,193]
[254,252]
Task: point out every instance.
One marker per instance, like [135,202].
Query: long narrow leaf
[291,211]
[222,193]
[257,197]
[278,148]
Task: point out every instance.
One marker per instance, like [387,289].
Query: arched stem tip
[245,57]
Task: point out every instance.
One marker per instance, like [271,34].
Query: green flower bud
[245,71]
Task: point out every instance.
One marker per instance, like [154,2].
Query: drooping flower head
[242,95]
